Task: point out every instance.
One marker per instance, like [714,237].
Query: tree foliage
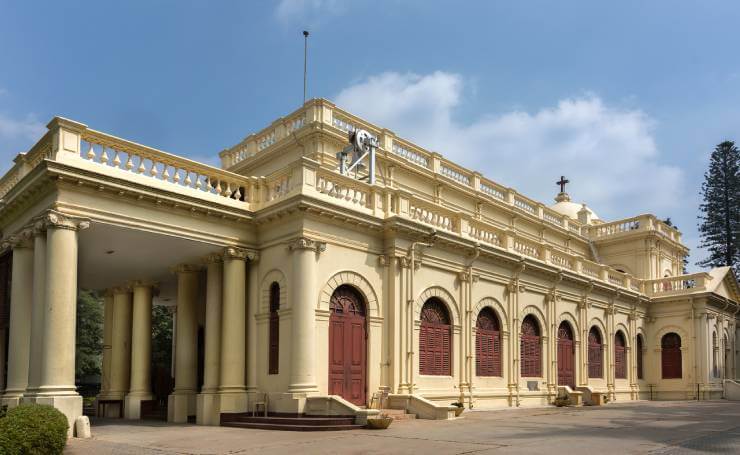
[89,341]
[161,337]
[719,225]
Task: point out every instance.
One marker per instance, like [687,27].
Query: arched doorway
[347,345]
[670,356]
[566,361]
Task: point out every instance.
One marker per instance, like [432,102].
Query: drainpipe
[469,359]
[411,253]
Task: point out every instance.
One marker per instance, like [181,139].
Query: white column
[232,387]
[141,349]
[57,385]
[19,340]
[120,369]
[182,401]
[252,309]
[207,406]
[37,310]
[107,344]
[303,301]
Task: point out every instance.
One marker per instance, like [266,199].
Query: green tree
[720,210]
[161,337]
[89,341]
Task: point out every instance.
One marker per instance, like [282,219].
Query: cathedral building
[308,277]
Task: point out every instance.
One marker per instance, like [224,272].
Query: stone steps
[290,423]
[398,414]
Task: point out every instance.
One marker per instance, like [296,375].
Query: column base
[208,409]
[132,404]
[235,401]
[11,401]
[303,388]
[69,405]
[180,406]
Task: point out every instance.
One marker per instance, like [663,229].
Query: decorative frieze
[303,243]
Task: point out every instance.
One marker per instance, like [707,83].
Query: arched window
[487,344]
[670,356]
[435,339]
[595,354]
[620,357]
[531,351]
[274,337]
[715,354]
[639,356]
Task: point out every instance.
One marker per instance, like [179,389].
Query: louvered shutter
[620,363]
[595,355]
[639,357]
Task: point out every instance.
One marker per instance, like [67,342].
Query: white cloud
[309,13]
[608,153]
[25,129]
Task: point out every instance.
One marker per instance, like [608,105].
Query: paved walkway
[642,427]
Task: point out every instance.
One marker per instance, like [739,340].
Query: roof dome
[564,206]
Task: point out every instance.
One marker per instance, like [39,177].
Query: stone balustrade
[122,155]
[345,189]
[640,223]
[677,284]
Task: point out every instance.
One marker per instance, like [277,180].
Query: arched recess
[667,329]
[625,333]
[273,276]
[496,307]
[538,315]
[596,322]
[570,319]
[442,294]
[358,282]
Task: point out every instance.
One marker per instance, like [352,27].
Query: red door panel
[347,346]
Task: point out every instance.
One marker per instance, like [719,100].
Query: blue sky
[627,99]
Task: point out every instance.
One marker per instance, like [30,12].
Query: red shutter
[595,355]
[435,340]
[620,363]
[531,354]
[670,356]
[639,357]
[487,344]
[274,330]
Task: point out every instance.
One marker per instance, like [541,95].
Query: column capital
[186,268]
[213,258]
[235,253]
[123,289]
[143,284]
[23,239]
[304,243]
[53,219]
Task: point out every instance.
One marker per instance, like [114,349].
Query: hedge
[33,429]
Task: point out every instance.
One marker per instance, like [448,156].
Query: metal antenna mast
[305,62]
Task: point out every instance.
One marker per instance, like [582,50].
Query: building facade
[298,287]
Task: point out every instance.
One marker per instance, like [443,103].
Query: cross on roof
[562,183]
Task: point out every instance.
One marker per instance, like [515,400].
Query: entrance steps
[398,414]
[288,422]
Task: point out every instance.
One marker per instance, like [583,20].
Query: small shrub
[562,401]
[3,411]
[33,429]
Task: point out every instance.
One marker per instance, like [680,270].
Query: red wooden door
[620,357]
[347,346]
[670,356]
[566,362]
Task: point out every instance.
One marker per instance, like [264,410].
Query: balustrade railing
[431,215]
[677,284]
[345,189]
[485,234]
[125,156]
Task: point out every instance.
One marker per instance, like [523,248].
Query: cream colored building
[316,291]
